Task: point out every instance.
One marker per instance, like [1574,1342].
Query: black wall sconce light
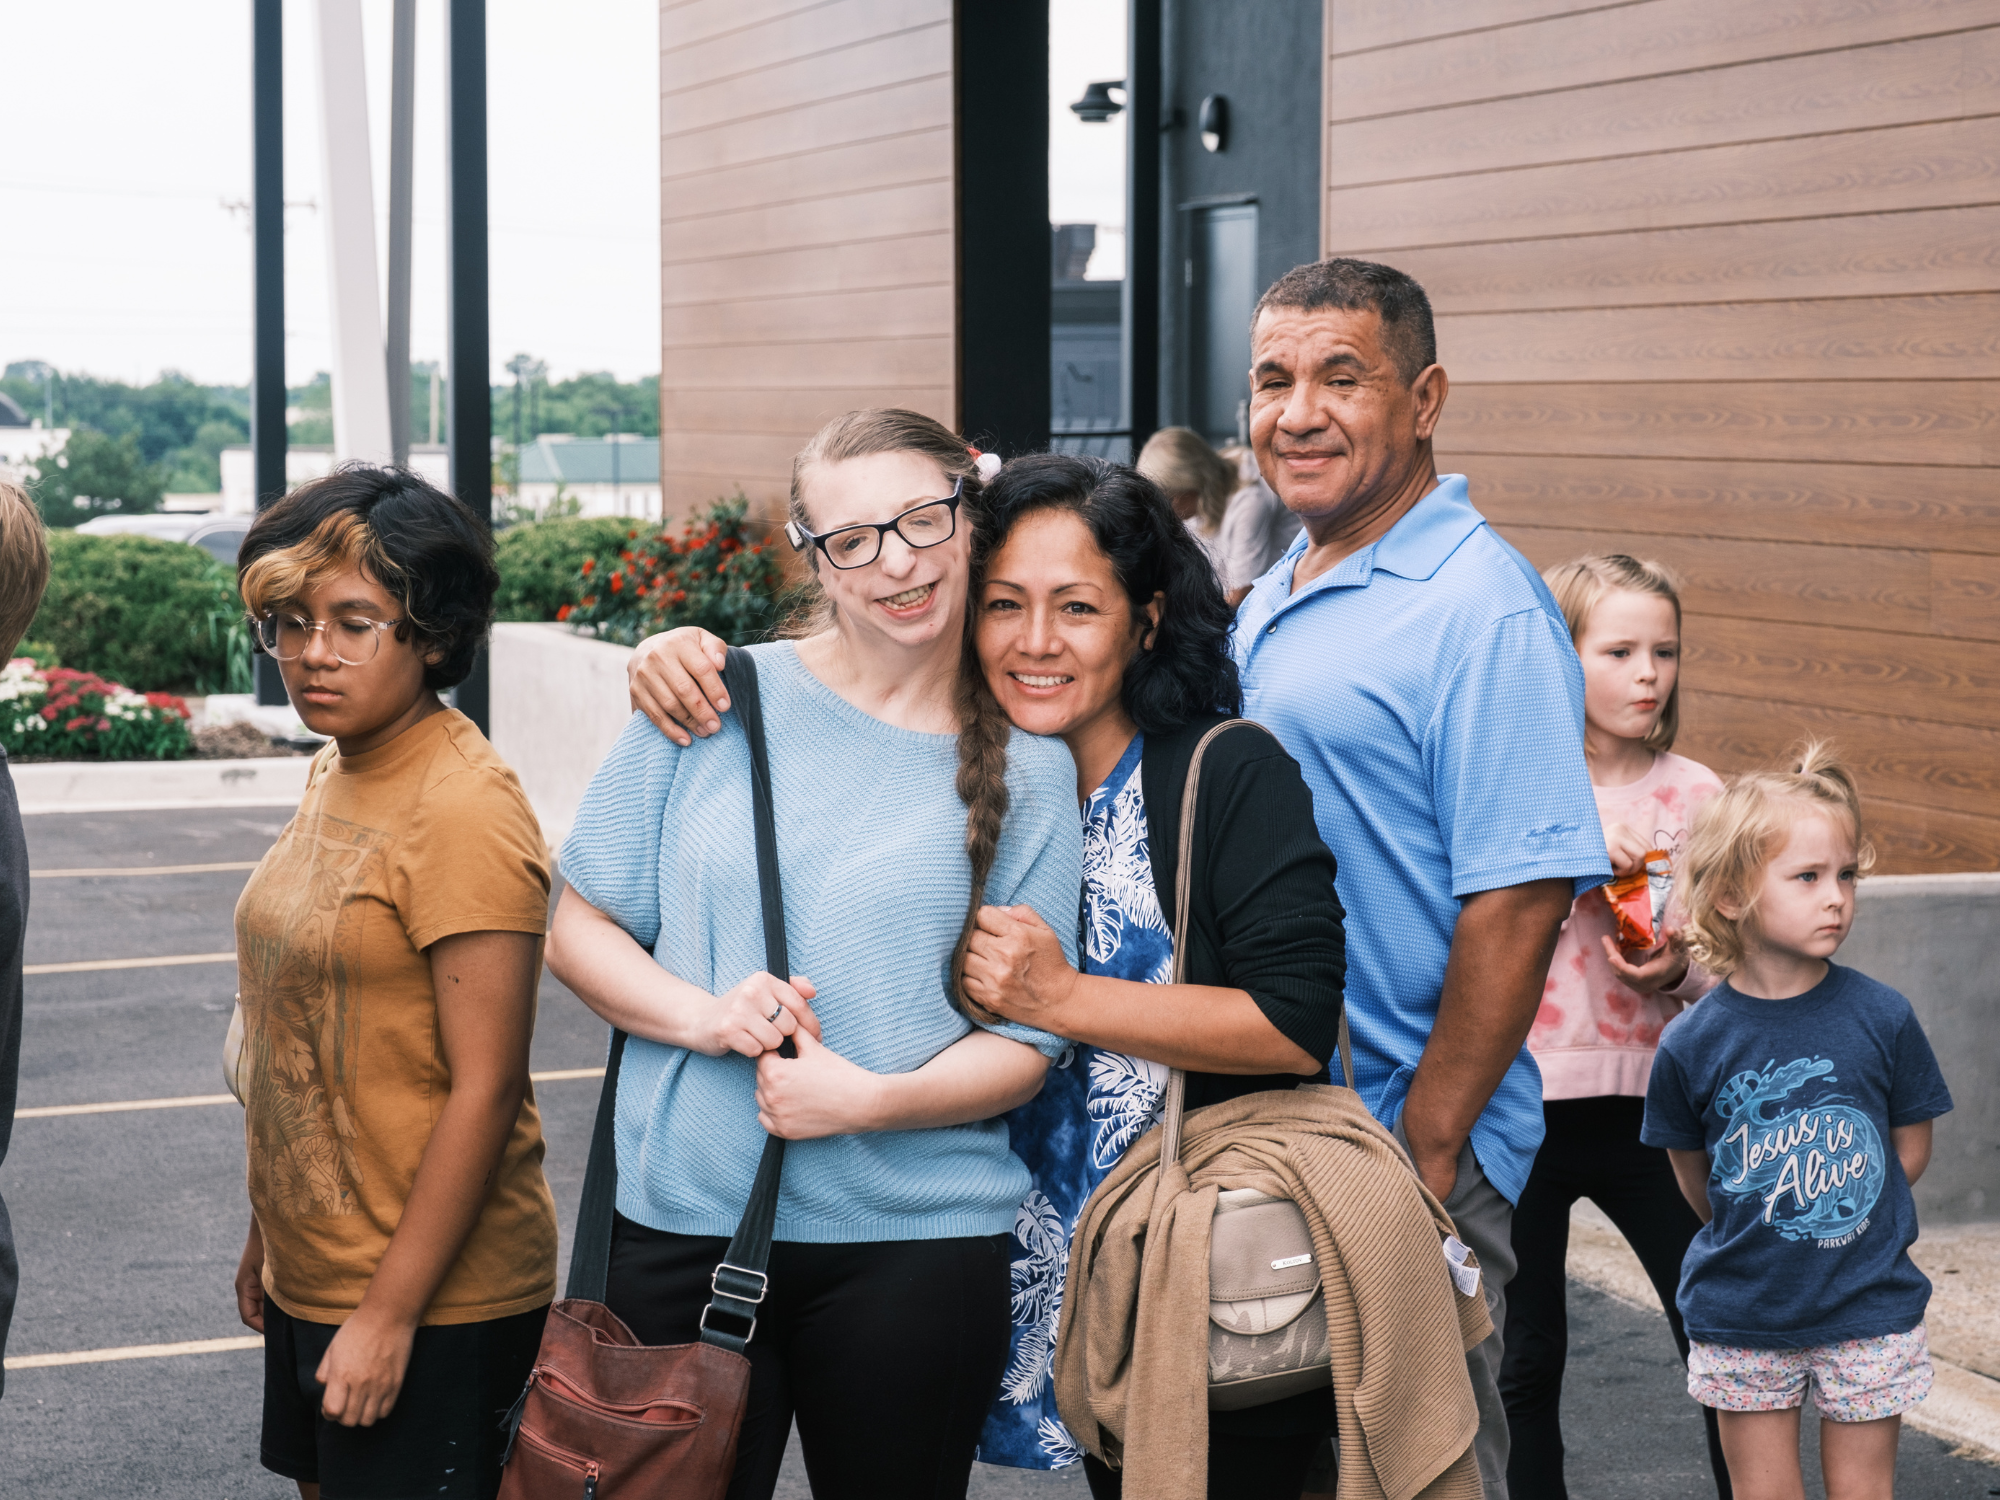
[1214,122]
[1096,106]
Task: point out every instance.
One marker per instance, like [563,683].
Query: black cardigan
[1263,914]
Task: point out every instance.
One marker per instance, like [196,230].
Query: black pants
[442,1438]
[1592,1150]
[1240,1467]
[888,1354]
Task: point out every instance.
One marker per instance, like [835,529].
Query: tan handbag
[1267,1335]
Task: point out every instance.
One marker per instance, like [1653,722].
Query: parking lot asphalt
[129,1224]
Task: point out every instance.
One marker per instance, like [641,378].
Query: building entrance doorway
[1222,287]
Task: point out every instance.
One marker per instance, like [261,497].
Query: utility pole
[267,213]
[522,367]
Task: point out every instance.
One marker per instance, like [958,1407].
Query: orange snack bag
[1639,901]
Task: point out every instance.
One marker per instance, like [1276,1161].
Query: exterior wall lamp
[1214,123]
[1097,106]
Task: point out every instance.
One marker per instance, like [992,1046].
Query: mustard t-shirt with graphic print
[345,1077]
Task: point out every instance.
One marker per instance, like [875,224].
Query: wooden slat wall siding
[1719,283]
[806,207]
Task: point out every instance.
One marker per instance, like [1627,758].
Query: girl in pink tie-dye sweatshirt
[1603,1005]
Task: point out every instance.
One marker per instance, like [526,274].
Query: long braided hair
[983,728]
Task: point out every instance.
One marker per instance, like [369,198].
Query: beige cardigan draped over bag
[1131,1367]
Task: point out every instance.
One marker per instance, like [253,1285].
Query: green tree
[197,468]
[314,404]
[162,418]
[588,405]
[95,475]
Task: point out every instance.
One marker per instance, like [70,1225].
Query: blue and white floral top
[1093,1105]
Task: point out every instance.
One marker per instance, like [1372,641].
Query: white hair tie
[988,464]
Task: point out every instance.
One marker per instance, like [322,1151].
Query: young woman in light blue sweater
[887,1321]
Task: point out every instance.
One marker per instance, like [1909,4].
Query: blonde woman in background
[1256,527]
[1197,479]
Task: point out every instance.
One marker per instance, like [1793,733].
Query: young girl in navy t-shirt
[1796,1104]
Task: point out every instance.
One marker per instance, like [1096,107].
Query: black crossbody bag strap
[739,1281]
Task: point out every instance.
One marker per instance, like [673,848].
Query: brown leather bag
[605,1417]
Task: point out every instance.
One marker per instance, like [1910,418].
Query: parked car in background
[218,536]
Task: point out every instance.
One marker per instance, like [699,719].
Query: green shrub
[161,614]
[718,574]
[78,716]
[541,562]
[95,475]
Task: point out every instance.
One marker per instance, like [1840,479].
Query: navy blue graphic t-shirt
[1793,1100]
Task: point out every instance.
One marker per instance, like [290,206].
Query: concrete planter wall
[1937,939]
[559,704]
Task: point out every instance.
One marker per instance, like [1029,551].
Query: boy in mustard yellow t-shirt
[402,1246]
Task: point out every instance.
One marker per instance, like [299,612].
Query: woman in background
[1198,482]
[1257,527]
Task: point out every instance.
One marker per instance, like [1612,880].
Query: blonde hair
[24,565]
[1580,584]
[1740,830]
[286,575]
[983,726]
[1179,461]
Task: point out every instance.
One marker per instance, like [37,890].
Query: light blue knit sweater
[872,856]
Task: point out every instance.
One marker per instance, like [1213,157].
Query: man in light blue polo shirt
[1419,671]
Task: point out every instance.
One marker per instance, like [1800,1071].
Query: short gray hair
[1408,335]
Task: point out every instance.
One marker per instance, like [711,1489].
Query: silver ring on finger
[773,1016]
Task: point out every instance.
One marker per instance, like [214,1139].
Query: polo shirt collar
[1414,548]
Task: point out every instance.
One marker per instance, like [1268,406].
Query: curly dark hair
[1188,673]
[424,546]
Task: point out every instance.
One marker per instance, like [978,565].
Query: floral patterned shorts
[1858,1381]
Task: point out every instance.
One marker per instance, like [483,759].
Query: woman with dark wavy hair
[1097,619]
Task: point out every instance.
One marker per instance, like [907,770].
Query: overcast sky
[128,123]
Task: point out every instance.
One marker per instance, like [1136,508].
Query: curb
[1963,1407]
[140,785]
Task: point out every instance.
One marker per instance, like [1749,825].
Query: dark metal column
[267,214]
[402,139]
[1144,120]
[1002,80]
[468,355]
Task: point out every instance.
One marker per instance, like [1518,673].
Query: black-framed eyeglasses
[922,525]
[354,638]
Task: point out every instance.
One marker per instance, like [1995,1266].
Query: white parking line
[96,965]
[185,1101]
[133,1351]
[236,864]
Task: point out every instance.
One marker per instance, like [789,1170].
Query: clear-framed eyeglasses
[924,524]
[353,639]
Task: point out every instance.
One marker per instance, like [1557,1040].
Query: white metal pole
[360,375]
